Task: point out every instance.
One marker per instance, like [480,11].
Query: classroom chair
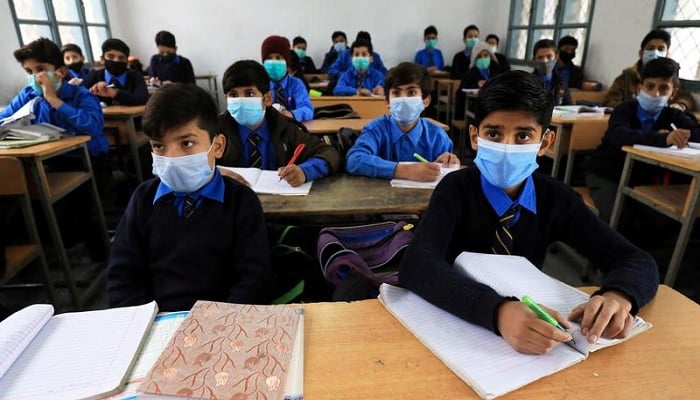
[586,135]
[446,90]
[587,96]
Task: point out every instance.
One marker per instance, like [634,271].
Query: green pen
[419,157]
[544,315]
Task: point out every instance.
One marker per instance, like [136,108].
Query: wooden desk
[366,106]
[346,195]
[330,126]
[49,187]
[122,118]
[320,77]
[359,351]
[679,202]
[320,85]
[563,143]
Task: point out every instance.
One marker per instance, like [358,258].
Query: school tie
[189,207]
[502,239]
[254,157]
[279,95]
[431,59]
[359,83]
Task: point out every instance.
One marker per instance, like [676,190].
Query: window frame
[660,23]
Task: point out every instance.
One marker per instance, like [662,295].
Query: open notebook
[406,183]
[268,182]
[692,151]
[77,355]
[17,130]
[485,361]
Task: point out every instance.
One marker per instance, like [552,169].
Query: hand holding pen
[678,137]
[424,171]
[293,173]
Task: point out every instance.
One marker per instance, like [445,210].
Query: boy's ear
[639,88]
[674,93]
[547,141]
[267,99]
[219,145]
[426,101]
[473,134]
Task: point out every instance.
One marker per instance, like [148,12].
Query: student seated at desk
[75,63]
[344,61]
[115,84]
[167,66]
[493,40]
[462,59]
[340,44]
[571,75]
[545,59]
[646,120]
[306,63]
[259,136]
[484,66]
[290,96]
[360,79]
[430,57]
[389,139]
[189,234]
[502,207]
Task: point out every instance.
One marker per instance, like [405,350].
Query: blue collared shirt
[347,84]
[501,202]
[547,80]
[485,73]
[647,121]
[213,190]
[381,146]
[344,62]
[565,74]
[80,113]
[296,96]
[120,78]
[423,58]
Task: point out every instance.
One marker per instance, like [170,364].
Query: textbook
[484,360]
[407,183]
[582,110]
[17,130]
[79,355]
[268,182]
[224,350]
[691,151]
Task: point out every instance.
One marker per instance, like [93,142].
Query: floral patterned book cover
[232,351]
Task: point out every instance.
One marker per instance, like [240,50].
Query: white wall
[12,77]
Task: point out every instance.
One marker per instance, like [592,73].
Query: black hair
[246,73]
[406,73]
[664,68]
[469,28]
[656,34]
[72,47]
[165,38]
[298,40]
[493,36]
[567,41]
[176,105]
[339,33]
[363,35]
[42,50]
[544,44]
[515,91]
[294,63]
[431,30]
[362,43]
[115,44]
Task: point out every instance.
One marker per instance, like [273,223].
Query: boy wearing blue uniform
[462,59]
[115,84]
[360,79]
[75,63]
[502,207]
[545,59]
[340,44]
[167,66]
[306,63]
[344,61]
[389,139]
[290,96]
[189,234]
[430,57]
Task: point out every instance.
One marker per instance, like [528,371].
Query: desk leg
[96,200]
[687,221]
[620,197]
[561,142]
[134,147]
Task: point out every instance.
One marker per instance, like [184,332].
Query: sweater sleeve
[135,97]
[188,72]
[87,118]
[622,130]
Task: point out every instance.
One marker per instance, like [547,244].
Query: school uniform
[382,145]
[329,59]
[351,80]
[557,87]
[430,58]
[131,89]
[471,81]
[344,62]
[175,255]
[463,215]
[503,63]
[460,64]
[624,88]
[279,137]
[571,75]
[291,93]
[307,66]
[79,74]
[175,69]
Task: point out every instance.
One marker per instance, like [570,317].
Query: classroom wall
[12,77]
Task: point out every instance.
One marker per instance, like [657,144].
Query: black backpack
[336,111]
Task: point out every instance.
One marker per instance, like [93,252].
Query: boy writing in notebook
[189,234]
[360,79]
[167,66]
[502,207]
[389,139]
[259,136]
[115,84]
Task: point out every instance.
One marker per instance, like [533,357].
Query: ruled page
[18,330]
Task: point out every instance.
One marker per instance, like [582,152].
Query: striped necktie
[254,157]
[279,95]
[503,239]
[431,59]
[189,207]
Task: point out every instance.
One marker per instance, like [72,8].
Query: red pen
[296,154]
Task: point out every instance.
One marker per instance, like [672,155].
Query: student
[571,75]
[472,209]
[167,66]
[493,41]
[389,139]
[295,71]
[306,64]
[115,84]
[545,59]
[462,59]
[430,57]
[647,120]
[289,93]
[340,44]
[75,63]
[189,234]
[654,45]
[484,66]
[259,136]
[360,79]
[344,61]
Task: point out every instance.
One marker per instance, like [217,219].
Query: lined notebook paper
[407,183]
[268,182]
[692,151]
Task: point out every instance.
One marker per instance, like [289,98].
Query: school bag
[336,111]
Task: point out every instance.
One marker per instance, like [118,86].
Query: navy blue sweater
[220,253]
[460,218]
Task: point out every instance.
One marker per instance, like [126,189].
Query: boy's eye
[523,136]
[157,146]
[492,134]
[396,93]
[187,143]
[250,93]
[413,93]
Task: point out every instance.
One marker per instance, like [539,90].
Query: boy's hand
[46,84]
[378,90]
[679,137]
[101,89]
[75,81]
[364,92]
[447,159]
[481,83]
[432,69]
[239,178]
[607,315]
[288,114]
[525,332]
[421,172]
[293,174]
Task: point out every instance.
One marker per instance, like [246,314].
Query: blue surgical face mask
[301,53]
[339,47]
[360,63]
[545,67]
[31,81]
[276,69]
[649,55]
[471,42]
[651,104]
[247,111]
[431,43]
[483,63]
[406,110]
[184,174]
[506,165]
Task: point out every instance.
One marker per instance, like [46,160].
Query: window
[532,20]
[83,22]
[681,18]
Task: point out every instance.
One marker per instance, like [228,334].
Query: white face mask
[184,174]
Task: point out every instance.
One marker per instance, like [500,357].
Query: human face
[655,44]
[430,36]
[275,56]
[339,39]
[115,55]
[492,42]
[511,127]
[568,48]
[545,55]
[484,54]
[361,52]
[472,33]
[166,51]
[70,57]
[189,139]
[408,90]
[658,87]
[34,67]
[301,46]
[251,91]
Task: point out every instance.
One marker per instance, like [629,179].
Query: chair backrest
[13,182]
[588,96]
[586,134]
